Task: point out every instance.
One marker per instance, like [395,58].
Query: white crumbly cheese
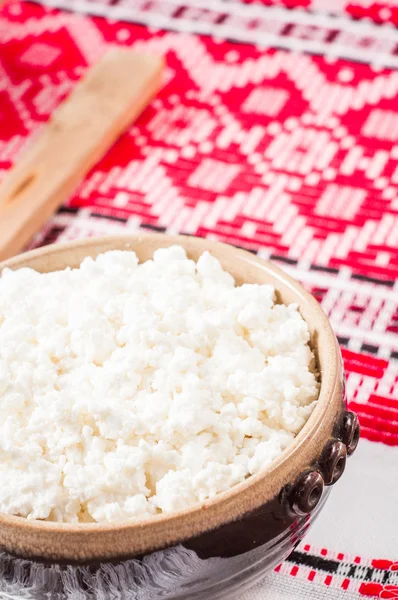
[128,390]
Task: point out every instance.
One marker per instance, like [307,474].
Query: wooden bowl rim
[225,502]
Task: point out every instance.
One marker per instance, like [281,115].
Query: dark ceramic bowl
[229,542]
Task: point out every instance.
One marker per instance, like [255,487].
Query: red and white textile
[276,130]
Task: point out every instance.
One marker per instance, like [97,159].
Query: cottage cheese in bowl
[131,389]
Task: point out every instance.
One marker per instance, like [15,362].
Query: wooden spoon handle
[111,95]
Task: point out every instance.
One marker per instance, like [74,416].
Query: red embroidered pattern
[291,155]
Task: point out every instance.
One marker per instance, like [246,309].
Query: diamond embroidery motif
[40,54]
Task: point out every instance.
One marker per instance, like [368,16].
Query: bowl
[228,542]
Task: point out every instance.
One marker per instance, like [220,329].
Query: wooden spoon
[111,95]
